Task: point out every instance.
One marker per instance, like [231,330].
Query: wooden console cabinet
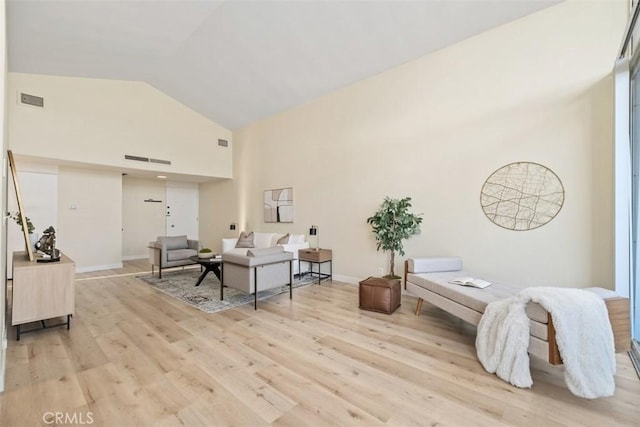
[42,291]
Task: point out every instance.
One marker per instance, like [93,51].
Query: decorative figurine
[47,243]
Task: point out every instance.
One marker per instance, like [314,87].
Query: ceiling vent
[36,101]
[146,159]
[223,143]
[162,162]
[136,158]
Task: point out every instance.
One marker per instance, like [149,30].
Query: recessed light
[162,177]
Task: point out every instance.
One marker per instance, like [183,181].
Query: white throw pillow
[228,244]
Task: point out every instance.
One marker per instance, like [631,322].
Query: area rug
[206,297]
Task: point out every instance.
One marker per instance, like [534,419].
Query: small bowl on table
[206,254]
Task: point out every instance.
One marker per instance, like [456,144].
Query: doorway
[182,209]
[152,208]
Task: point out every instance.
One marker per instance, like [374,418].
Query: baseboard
[98,267]
[3,361]
[134,257]
[347,279]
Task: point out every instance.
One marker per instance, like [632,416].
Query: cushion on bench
[433,264]
[474,298]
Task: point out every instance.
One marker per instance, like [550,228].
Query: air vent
[163,162]
[146,159]
[223,143]
[36,101]
[136,158]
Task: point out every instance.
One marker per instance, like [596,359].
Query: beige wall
[538,89]
[90,217]
[95,122]
[99,121]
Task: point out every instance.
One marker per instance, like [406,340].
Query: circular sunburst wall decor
[522,196]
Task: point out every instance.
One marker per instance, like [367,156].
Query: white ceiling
[237,62]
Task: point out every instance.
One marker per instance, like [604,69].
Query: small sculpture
[47,243]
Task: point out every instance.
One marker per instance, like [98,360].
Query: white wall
[3,192]
[90,218]
[142,221]
[538,89]
[99,121]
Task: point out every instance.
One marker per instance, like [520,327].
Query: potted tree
[392,224]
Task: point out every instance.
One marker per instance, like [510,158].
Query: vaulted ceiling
[236,62]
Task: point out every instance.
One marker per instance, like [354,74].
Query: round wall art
[522,196]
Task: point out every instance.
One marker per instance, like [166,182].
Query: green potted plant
[18,219]
[205,253]
[392,224]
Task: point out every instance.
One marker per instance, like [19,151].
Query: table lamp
[313,231]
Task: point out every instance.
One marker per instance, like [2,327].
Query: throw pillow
[245,240]
[283,240]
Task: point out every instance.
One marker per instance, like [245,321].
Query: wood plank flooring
[136,357]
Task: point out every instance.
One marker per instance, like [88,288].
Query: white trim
[347,279]
[622,180]
[135,257]
[98,267]
[3,362]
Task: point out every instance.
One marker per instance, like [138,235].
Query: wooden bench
[427,279]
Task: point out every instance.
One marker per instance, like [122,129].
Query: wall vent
[136,158]
[146,159]
[223,143]
[36,101]
[163,162]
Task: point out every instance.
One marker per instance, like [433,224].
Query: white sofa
[269,240]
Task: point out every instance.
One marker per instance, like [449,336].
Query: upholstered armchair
[260,269]
[172,251]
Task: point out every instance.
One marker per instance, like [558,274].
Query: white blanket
[583,334]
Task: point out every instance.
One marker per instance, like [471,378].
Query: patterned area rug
[206,297]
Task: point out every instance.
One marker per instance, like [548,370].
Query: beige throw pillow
[245,240]
[283,240]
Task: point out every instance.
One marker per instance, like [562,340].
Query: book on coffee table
[470,281]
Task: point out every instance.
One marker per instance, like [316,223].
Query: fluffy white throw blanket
[583,334]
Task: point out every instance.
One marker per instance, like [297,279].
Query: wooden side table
[319,256]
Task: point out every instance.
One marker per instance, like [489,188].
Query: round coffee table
[209,264]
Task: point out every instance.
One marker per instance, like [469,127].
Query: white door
[182,209]
[143,215]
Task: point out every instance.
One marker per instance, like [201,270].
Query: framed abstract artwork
[278,205]
[522,196]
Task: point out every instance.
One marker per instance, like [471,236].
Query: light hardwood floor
[136,357]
